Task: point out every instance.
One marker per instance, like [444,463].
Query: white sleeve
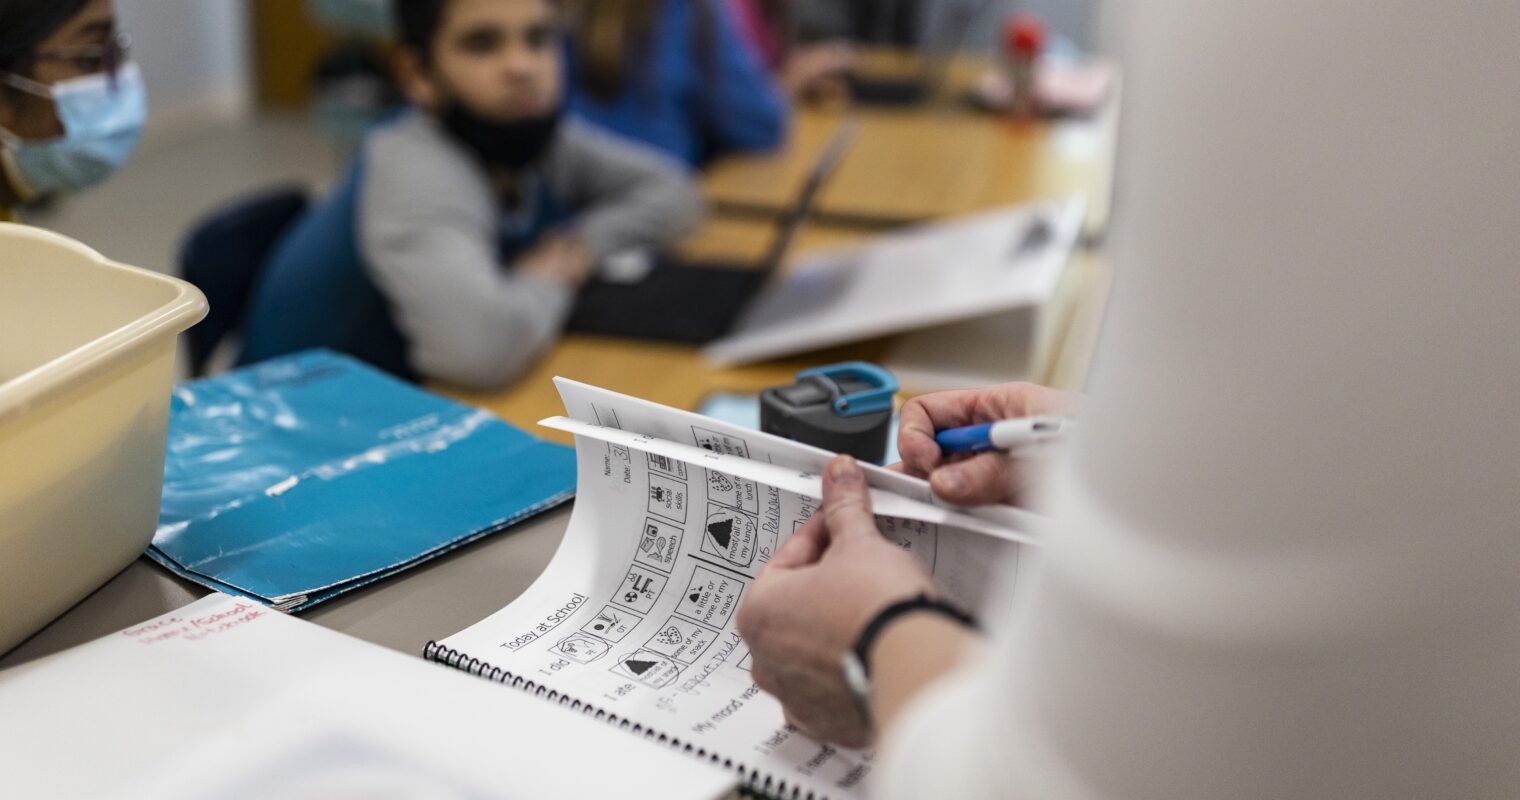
[945,745]
[1287,561]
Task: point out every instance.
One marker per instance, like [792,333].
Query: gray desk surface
[403,612]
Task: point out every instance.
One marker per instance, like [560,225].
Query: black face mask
[506,145]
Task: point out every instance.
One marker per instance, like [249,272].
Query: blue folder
[297,479]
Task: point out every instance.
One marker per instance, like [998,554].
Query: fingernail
[844,470]
[950,481]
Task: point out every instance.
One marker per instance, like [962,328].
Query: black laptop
[698,302]
[936,53]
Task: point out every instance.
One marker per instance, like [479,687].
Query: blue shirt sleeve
[698,92]
[747,110]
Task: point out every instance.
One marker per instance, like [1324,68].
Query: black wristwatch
[855,663]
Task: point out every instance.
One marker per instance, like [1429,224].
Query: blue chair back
[224,255]
[316,291]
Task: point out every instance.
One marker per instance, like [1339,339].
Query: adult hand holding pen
[836,574]
[982,478]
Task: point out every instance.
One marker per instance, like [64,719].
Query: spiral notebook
[632,623]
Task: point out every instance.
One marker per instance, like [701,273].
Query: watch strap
[890,614]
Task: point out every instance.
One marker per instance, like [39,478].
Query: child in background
[71,106]
[454,249]
[807,71]
[675,74]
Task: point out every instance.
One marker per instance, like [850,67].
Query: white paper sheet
[674,517]
[933,274]
[226,698]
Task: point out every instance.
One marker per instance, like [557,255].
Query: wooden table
[677,375]
[674,375]
[912,164]
[916,163]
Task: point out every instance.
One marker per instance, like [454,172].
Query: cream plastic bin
[86,367]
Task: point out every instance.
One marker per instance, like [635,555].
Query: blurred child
[454,249]
[71,106]
[676,74]
[811,70]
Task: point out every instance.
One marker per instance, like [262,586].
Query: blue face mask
[102,121]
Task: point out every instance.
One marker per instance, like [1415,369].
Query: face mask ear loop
[23,190]
[27,85]
[9,141]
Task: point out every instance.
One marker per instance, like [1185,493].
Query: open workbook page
[634,619]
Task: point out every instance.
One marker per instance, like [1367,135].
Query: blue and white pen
[1009,434]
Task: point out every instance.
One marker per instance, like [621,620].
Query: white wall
[1073,19]
[195,57]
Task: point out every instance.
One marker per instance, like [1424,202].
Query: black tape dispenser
[846,408]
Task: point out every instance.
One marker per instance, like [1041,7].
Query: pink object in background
[1060,88]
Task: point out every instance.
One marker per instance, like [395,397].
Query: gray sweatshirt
[428,226]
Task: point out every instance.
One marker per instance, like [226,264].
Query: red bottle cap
[1024,35]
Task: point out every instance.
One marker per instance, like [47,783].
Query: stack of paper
[1004,265]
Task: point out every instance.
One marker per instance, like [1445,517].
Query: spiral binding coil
[754,783]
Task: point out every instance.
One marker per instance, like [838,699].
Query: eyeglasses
[92,59]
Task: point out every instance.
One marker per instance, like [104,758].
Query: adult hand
[813,600]
[557,258]
[984,477]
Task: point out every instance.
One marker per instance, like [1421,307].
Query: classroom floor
[140,216]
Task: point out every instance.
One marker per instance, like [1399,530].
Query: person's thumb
[986,478]
[846,500]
